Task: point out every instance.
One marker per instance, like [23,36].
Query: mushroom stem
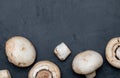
[118,53]
[44,74]
[91,75]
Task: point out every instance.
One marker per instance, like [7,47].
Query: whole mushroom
[4,74]
[20,51]
[113,52]
[44,69]
[87,62]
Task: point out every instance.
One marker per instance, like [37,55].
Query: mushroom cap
[5,74]
[87,62]
[20,51]
[113,52]
[45,65]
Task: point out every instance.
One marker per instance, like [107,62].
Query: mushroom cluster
[21,52]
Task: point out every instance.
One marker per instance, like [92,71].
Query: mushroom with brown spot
[113,52]
[44,69]
[20,51]
[87,62]
[5,74]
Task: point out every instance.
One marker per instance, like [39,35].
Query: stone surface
[81,24]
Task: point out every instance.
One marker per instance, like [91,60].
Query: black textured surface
[81,24]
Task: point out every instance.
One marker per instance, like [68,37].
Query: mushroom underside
[44,74]
[113,52]
[44,69]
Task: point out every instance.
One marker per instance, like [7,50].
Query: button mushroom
[44,69]
[62,51]
[4,74]
[113,52]
[87,62]
[20,51]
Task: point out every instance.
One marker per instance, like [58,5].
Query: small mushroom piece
[20,51]
[87,62]
[113,52]
[62,51]
[44,69]
[4,74]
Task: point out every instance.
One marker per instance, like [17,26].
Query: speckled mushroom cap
[113,52]
[45,65]
[87,62]
[20,51]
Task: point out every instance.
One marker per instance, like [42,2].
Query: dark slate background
[81,24]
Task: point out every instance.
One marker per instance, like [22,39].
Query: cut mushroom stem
[118,53]
[4,74]
[62,51]
[44,74]
[91,75]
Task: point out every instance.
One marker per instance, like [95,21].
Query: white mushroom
[62,51]
[113,52]
[87,62]
[4,74]
[20,51]
[44,69]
